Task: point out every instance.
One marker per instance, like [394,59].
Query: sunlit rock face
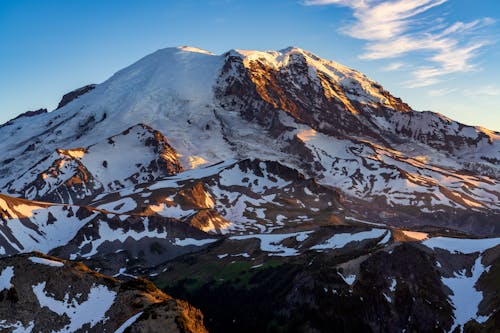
[347,131]
[225,177]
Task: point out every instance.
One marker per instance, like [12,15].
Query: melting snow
[47,262]
[271,242]
[6,278]
[91,311]
[129,322]
[341,240]
[17,327]
[349,279]
[466,297]
[461,245]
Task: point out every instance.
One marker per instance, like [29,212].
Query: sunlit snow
[46,262]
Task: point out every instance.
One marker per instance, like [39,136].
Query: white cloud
[450,60]
[484,91]
[380,20]
[441,92]
[402,45]
[394,28]
[393,66]
[419,83]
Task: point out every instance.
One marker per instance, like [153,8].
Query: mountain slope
[137,155]
[319,117]
[35,296]
[39,226]
[342,278]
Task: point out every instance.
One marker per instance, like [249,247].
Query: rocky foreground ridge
[46,294]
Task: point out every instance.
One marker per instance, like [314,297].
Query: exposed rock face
[334,100]
[315,99]
[75,94]
[41,293]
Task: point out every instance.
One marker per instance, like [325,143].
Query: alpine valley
[246,192]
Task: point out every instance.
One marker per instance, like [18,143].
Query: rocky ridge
[41,293]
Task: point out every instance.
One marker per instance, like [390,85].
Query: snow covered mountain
[260,158]
[319,117]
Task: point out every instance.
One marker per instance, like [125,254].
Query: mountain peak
[291,48]
[279,54]
[187,48]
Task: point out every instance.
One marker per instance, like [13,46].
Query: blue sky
[439,55]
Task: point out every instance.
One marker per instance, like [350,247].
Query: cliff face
[72,95]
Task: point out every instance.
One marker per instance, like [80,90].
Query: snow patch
[349,279]
[271,242]
[466,297]
[393,285]
[48,262]
[128,323]
[341,240]
[6,278]
[17,327]
[107,234]
[461,245]
[124,205]
[91,311]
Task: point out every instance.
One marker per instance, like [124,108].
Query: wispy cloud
[394,66]
[394,28]
[484,91]
[441,92]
